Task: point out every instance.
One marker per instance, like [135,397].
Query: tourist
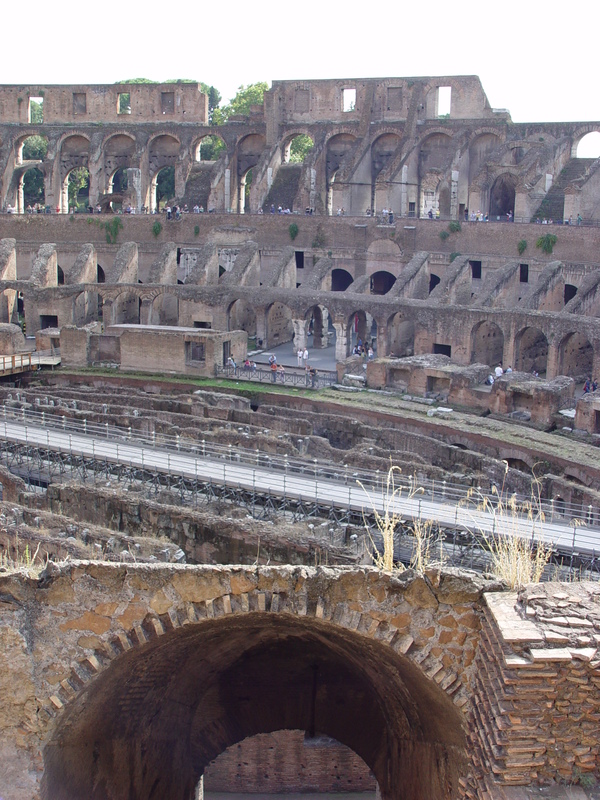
[499,372]
[299,355]
[281,371]
[587,386]
[305,356]
[273,370]
[273,360]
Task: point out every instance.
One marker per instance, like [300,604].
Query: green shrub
[546,243]
[522,246]
[293,229]
[453,256]
[112,229]
[454,226]
[444,235]
[156,229]
[196,230]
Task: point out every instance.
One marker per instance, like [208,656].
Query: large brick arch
[393,657]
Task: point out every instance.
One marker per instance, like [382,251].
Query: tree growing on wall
[246,97]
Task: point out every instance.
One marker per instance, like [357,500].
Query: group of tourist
[364,350]
[590,386]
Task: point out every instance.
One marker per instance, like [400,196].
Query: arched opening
[242,317]
[576,357]
[382,153]
[78,189]
[362,332]
[487,344]
[151,723]
[165,310]
[519,464]
[401,336]
[250,150]
[32,148]
[209,148]
[531,351]
[569,292]
[479,150]
[118,185]
[320,327]
[589,145]
[119,155]
[60,276]
[100,276]
[502,196]
[381,282]
[338,147]
[245,186]
[163,188]
[32,191]
[74,157]
[340,280]
[126,309]
[297,148]
[433,281]
[280,328]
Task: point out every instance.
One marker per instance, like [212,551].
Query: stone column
[134,181]
[382,341]
[341,341]
[261,328]
[108,312]
[300,336]
[509,352]
[199,792]
[552,362]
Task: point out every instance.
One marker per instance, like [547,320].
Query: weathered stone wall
[288,761]
[91,647]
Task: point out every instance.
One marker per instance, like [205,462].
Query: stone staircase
[284,188]
[552,206]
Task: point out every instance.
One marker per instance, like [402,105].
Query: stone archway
[151,721]
[531,351]
[487,344]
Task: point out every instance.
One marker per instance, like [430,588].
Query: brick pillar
[596,361]
[552,362]
[382,341]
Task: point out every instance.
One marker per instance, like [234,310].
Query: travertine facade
[412,145]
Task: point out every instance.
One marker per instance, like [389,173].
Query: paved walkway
[311,488]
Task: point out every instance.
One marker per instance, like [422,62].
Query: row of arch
[395,335]
[436,152]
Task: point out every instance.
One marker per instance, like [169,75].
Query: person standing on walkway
[300,353]
[305,357]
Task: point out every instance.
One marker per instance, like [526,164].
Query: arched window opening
[382,282]
[296,150]
[433,281]
[33,148]
[33,190]
[502,197]
[210,148]
[79,189]
[100,276]
[164,187]
[570,292]
[589,145]
[340,280]
[60,276]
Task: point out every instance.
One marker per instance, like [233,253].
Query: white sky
[537,59]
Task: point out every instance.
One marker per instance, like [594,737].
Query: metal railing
[289,377]
[584,520]
[24,361]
